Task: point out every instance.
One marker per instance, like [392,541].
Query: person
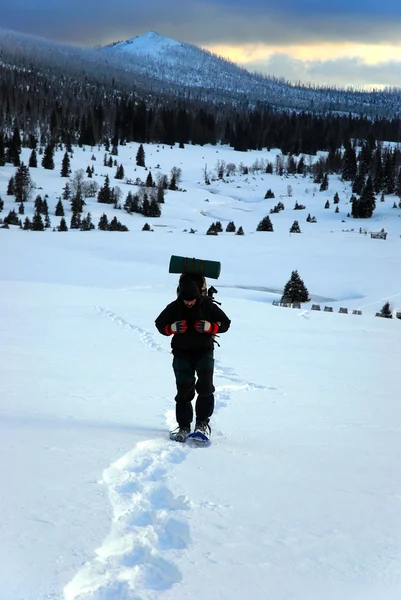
[193,320]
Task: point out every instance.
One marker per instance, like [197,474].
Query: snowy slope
[298,496]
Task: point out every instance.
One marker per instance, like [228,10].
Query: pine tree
[327,205]
[325,183]
[386,311]
[160,193]
[367,203]
[21,209]
[295,228]
[295,290]
[59,209]
[349,164]
[48,157]
[66,191]
[105,195]
[140,156]
[265,224]
[12,218]
[377,171]
[33,160]
[10,187]
[269,194]
[145,210]
[231,227]
[27,224]
[63,225]
[86,223]
[149,180]
[1,204]
[154,209]
[75,220]
[23,184]
[65,166]
[398,184]
[103,224]
[119,172]
[240,231]
[37,222]
[336,198]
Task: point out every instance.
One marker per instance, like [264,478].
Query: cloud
[342,72]
[206,22]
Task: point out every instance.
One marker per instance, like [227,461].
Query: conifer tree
[59,209]
[105,195]
[37,222]
[231,227]
[325,183]
[336,198]
[10,187]
[240,231]
[149,180]
[33,159]
[63,225]
[66,191]
[23,184]
[367,202]
[65,166]
[86,223]
[295,228]
[386,311]
[140,156]
[378,171]
[103,224]
[12,218]
[398,184]
[154,208]
[295,290]
[160,193]
[1,204]
[265,224]
[21,209]
[145,210]
[48,157]
[349,164]
[119,172]
[75,220]
[27,224]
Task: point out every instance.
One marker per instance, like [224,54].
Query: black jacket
[192,342]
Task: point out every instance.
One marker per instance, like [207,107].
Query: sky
[298,495]
[340,43]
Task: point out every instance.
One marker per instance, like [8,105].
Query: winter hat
[189,290]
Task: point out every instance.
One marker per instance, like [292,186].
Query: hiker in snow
[192,319]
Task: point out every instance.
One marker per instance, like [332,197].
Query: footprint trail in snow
[149,527]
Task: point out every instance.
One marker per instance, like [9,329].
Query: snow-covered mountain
[152,63]
[188,67]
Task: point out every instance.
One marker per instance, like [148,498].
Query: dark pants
[185,369]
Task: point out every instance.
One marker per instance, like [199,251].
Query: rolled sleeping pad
[184,264]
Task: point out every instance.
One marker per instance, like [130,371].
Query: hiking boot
[180,434]
[203,427]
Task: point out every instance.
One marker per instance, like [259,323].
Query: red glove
[206,327]
[176,327]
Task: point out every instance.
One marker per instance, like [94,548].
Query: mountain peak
[151,43]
